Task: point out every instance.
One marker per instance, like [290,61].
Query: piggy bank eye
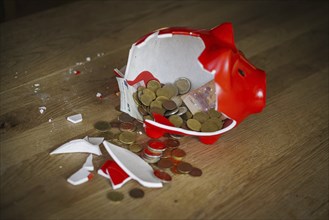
[240,71]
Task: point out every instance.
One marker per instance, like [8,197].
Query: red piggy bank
[200,55]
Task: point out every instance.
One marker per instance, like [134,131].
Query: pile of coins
[164,99]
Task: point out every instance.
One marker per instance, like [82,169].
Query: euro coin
[195,172]
[156,144]
[201,116]
[169,105]
[157,110]
[162,98]
[178,100]
[124,117]
[173,112]
[163,176]
[153,85]
[184,167]
[135,148]
[148,117]
[178,154]
[115,196]
[127,137]
[183,84]
[127,126]
[172,89]
[136,193]
[209,126]
[176,120]
[142,110]
[217,121]
[171,143]
[188,115]
[174,170]
[193,124]
[156,103]
[150,93]
[102,126]
[166,153]
[136,99]
[181,110]
[164,163]
[108,135]
[163,92]
[213,113]
[146,99]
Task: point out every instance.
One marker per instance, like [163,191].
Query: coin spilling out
[178,154]
[169,105]
[166,153]
[174,170]
[156,145]
[102,126]
[115,196]
[136,193]
[153,85]
[184,167]
[176,120]
[124,117]
[171,143]
[165,163]
[163,176]
[193,124]
[127,126]
[127,137]
[135,148]
[195,172]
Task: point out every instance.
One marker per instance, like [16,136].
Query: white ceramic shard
[78,146]
[79,177]
[88,165]
[94,140]
[117,185]
[133,165]
[75,118]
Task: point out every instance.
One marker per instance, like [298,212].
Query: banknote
[202,98]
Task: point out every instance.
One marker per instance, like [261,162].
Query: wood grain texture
[272,166]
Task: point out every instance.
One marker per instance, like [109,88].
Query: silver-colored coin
[168,113]
[178,100]
[181,110]
[183,84]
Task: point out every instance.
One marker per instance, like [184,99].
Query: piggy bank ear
[224,33]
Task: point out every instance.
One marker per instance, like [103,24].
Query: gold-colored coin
[213,113]
[135,148]
[163,92]
[201,116]
[102,126]
[150,93]
[162,98]
[146,99]
[209,126]
[136,99]
[172,89]
[153,85]
[115,196]
[156,103]
[217,121]
[157,110]
[188,115]
[127,137]
[183,84]
[165,163]
[176,120]
[193,124]
[136,193]
[140,88]
[142,110]
[178,154]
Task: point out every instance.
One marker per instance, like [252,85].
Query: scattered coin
[136,193]
[172,89]
[184,167]
[181,110]
[146,99]
[142,110]
[171,143]
[195,172]
[127,137]
[169,113]
[176,136]
[162,98]
[156,145]
[156,103]
[149,93]
[163,176]
[165,163]
[135,148]
[174,170]
[115,196]
[115,124]
[178,100]
[124,117]
[193,124]
[213,113]
[102,126]
[157,110]
[183,84]
[127,126]
[178,154]
[209,126]
[166,153]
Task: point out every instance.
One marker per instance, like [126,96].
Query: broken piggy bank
[200,56]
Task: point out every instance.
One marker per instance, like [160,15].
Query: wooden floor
[272,166]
